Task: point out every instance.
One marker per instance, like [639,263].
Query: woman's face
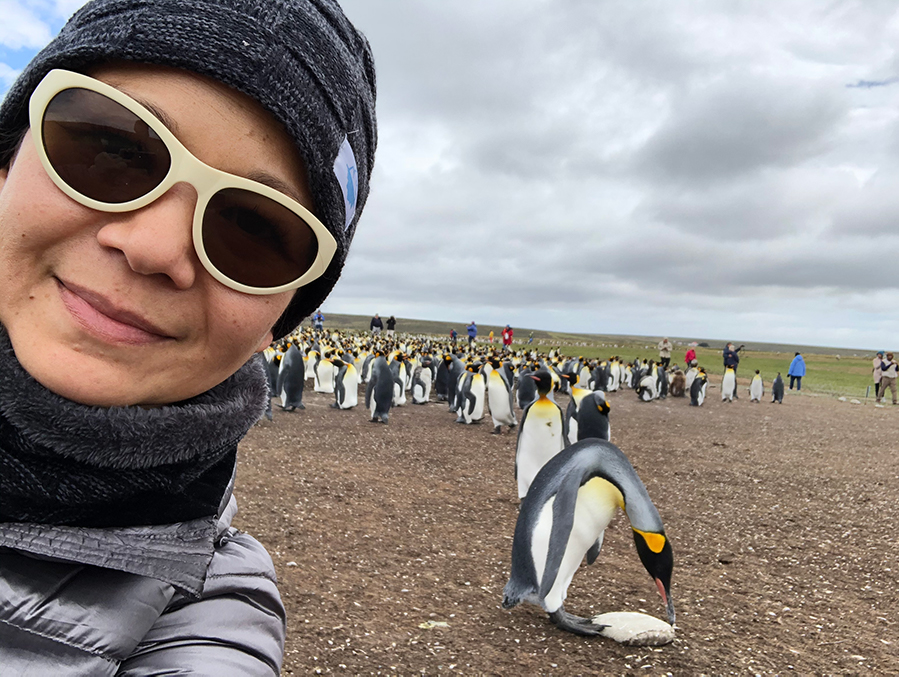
[116,309]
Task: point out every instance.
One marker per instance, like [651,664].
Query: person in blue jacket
[797,371]
[472,333]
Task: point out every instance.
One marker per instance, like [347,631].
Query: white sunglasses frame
[186,168]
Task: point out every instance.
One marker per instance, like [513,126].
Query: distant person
[530,338]
[796,371]
[472,333]
[391,325]
[318,321]
[507,338]
[878,372]
[690,357]
[732,357]
[890,369]
[376,325]
[665,352]
[490,336]
[453,335]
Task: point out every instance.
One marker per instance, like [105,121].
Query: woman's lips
[101,317]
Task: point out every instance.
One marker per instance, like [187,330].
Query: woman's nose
[156,239]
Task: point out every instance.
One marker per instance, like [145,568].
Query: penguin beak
[666,598]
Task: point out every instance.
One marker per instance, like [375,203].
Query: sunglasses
[108,152]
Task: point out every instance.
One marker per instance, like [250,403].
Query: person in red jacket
[507,338]
[689,357]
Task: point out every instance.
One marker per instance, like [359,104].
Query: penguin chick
[564,517]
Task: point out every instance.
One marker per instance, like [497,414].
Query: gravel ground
[783,521]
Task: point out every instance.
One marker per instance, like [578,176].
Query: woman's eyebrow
[158,113]
[267,179]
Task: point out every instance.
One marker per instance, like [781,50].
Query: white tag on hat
[348,178]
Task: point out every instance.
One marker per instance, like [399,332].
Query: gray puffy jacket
[150,602]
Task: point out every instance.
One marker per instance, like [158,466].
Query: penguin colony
[571,479]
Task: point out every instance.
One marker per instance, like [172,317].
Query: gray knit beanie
[301,59]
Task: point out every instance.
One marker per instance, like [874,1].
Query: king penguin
[698,388]
[756,388]
[291,379]
[541,434]
[472,395]
[499,397]
[379,392]
[571,412]
[421,381]
[346,385]
[527,387]
[593,417]
[729,385]
[564,517]
[777,389]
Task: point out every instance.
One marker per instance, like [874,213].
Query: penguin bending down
[379,392]
[291,379]
[499,398]
[593,417]
[756,388]
[777,389]
[564,517]
[729,385]
[541,433]
[346,385]
[527,388]
[699,386]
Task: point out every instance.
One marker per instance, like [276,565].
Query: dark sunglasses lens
[257,241]
[102,149]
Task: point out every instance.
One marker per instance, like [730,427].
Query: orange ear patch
[655,542]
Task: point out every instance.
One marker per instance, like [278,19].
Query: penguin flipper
[575,624]
[593,552]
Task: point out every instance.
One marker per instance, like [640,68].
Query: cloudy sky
[708,169]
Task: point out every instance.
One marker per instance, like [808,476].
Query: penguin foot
[334,405]
[301,406]
[575,624]
[496,431]
[288,408]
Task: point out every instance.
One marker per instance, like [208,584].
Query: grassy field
[830,371]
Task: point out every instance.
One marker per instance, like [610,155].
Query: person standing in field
[665,352]
[507,338]
[453,335]
[376,325]
[472,333]
[690,357]
[890,370]
[530,338]
[318,321]
[878,372]
[490,336]
[391,326]
[732,357]
[796,371]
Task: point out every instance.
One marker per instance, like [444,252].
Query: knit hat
[301,60]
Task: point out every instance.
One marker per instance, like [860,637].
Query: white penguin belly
[755,389]
[727,385]
[499,401]
[324,377]
[479,390]
[350,388]
[597,501]
[539,440]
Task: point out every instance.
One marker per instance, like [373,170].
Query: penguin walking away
[379,392]
[541,433]
[398,369]
[593,417]
[777,389]
[291,379]
[729,385]
[756,388]
[499,397]
[564,517]
[441,379]
[346,385]
[698,388]
[571,412]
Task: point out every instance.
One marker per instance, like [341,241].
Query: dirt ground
[783,520]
